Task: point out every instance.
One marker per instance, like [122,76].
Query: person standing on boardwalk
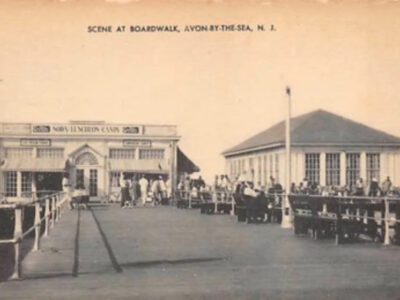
[386,186]
[144,183]
[125,195]
[135,191]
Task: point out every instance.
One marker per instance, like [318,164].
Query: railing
[347,215]
[53,205]
[213,202]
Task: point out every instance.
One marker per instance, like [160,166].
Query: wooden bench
[345,218]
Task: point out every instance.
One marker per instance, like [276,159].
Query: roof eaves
[252,149]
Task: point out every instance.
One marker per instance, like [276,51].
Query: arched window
[86,158]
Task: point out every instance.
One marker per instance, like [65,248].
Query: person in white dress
[144,183]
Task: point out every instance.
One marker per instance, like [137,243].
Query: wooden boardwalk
[156,253]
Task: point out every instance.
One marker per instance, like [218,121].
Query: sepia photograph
[199,149]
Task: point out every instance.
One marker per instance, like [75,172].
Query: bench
[345,218]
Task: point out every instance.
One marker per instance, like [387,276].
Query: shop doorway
[48,182]
[88,177]
[87,171]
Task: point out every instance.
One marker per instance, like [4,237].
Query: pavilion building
[325,148]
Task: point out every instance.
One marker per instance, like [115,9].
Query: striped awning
[139,166]
[34,164]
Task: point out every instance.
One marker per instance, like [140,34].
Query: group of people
[360,188]
[139,192]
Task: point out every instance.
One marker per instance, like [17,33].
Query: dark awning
[185,165]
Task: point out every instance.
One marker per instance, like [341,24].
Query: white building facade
[35,157]
[326,149]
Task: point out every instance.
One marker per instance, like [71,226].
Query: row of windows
[122,153]
[27,152]
[130,153]
[332,170]
[59,153]
[267,166]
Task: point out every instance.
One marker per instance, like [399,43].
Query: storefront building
[326,149]
[35,157]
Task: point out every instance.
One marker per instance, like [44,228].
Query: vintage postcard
[199,149]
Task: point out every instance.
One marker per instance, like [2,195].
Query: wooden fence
[53,205]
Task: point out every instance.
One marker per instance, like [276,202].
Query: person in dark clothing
[135,191]
[125,195]
[373,188]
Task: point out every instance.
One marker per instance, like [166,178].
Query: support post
[47,217]
[53,216]
[59,206]
[216,202]
[190,200]
[339,232]
[17,245]
[387,218]
[232,204]
[56,208]
[286,213]
[36,245]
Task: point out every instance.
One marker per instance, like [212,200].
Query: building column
[300,167]
[363,166]
[19,183]
[174,167]
[395,169]
[322,169]
[383,166]
[342,168]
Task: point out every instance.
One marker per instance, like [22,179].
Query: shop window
[26,183]
[373,166]
[50,153]
[151,153]
[312,167]
[114,179]
[333,169]
[11,183]
[18,152]
[93,183]
[80,178]
[122,153]
[352,168]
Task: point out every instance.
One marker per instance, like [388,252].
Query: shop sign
[75,129]
[136,143]
[35,142]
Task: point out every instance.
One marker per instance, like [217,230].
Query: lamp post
[286,213]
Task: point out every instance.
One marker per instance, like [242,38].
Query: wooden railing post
[339,232]
[216,202]
[233,205]
[59,207]
[36,245]
[387,219]
[56,207]
[17,245]
[53,207]
[47,217]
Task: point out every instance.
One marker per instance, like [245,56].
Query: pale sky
[219,88]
